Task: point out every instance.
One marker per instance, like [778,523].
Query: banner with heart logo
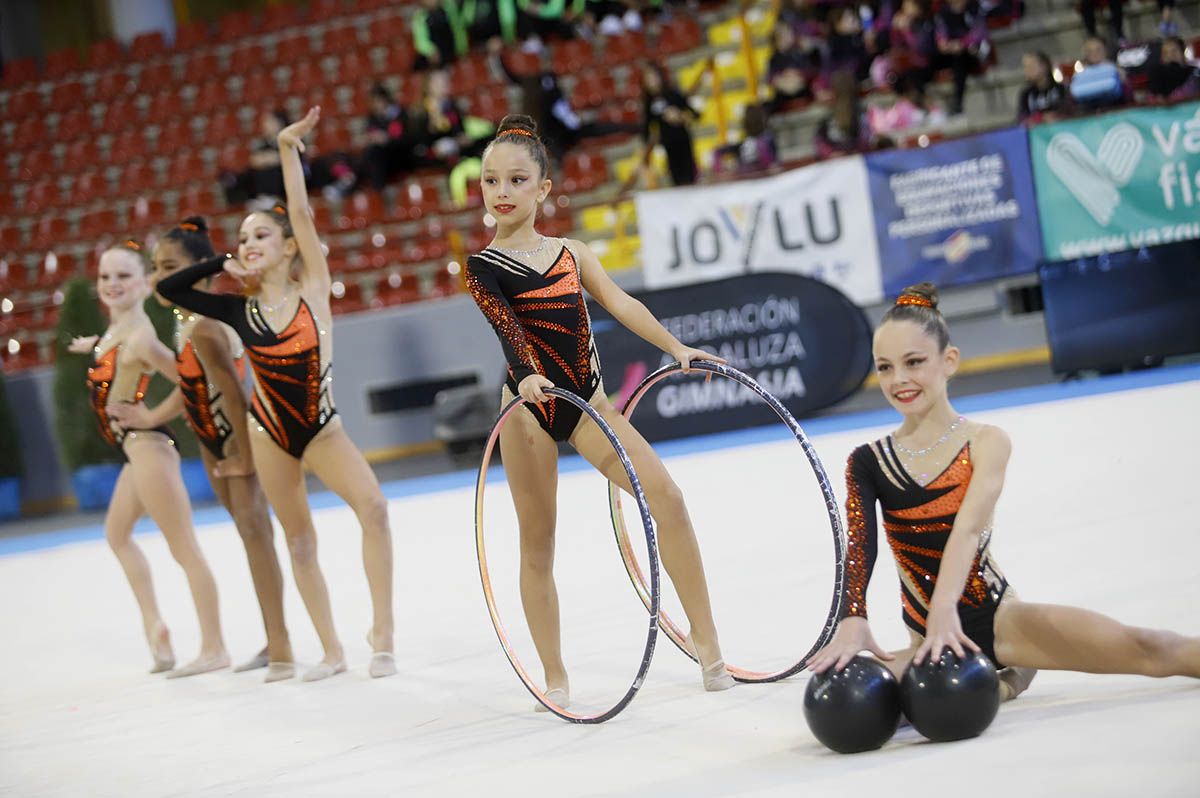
[1119,181]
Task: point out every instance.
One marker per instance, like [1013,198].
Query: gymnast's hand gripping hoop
[650,595]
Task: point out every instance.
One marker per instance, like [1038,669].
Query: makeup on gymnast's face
[121,283]
[511,181]
[169,258]
[913,373]
[262,245]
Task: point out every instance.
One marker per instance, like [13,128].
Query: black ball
[951,699]
[855,709]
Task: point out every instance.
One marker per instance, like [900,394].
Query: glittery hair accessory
[915,299]
[518,131]
[277,208]
[189,226]
[129,243]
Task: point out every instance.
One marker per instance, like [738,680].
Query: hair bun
[921,291]
[194,224]
[520,124]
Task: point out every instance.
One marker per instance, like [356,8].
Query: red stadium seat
[491,104]
[156,77]
[223,124]
[583,172]
[445,283]
[468,75]
[66,95]
[40,196]
[19,71]
[24,103]
[197,200]
[522,63]
[354,68]
[11,238]
[293,49]
[97,223]
[30,132]
[235,25]
[120,114]
[62,62]
[400,59]
[81,155]
[679,35]
[624,48]
[247,58]
[416,200]
[593,89]
[112,85]
[347,297]
[399,288]
[187,167]
[52,270]
[305,77]
[390,31]
[571,56]
[340,39]
[174,136]
[147,212]
[138,178]
[190,35]
[73,124]
[211,96]
[361,209]
[49,232]
[90,185]
[202,65]
[147,45]
[104,54]
[128,145]
[367,6]
[234,157]
[278,17]
[37,165]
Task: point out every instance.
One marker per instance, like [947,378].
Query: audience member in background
[909,110]
[804,18]
[547,18]
[1100,84]
[791,70]
[907,46]
[265,177]
[390,137]
[754,153]
[606,17]
[845,49]
[963,44]
[1173,78]
[665,117]
[439,121]
[439,30]
[844,131]
[1087,10]
[1167,26]
[1043,99]
[542,98]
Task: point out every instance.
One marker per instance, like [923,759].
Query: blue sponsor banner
[957,212]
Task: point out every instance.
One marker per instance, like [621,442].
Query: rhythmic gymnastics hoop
[651,597]
[634,570]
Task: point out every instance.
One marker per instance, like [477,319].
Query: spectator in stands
[804,18]
[1100,84]
[665,117]
[907,46]
[791,70]
[844,131]
[963,44]
[439,124]
[754,153]
[909,110]
[391,138]
[542,98]
[606,17]
[439,31]
[1167,26]
[1043,99]
[1173,78]
[1087,10]
[846,47]
[265,176]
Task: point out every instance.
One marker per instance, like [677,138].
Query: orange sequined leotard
[918,520]
[106,384]
[202,400]
[542,322]
[293,400]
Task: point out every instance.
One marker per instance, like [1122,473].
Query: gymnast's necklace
[904,450]
[522,254]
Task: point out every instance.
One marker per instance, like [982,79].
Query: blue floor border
[1017,397]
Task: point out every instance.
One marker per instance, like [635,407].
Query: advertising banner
[814,221]
[801,339]
[955,213]
[1118,181]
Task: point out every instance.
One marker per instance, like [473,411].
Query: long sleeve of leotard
[180,288]
[484,288]
[862,533]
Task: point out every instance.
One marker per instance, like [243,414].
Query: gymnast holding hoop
[530,288]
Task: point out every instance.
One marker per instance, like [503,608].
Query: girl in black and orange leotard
[937,480]
[531,290]
[284,326]
[208,356]
[150,481]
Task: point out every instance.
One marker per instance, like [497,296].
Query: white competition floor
[1099,510]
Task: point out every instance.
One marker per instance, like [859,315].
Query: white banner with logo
[815,221]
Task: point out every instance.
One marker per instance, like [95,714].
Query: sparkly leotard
[542,322]
[918,520]
[107,384]
[293,399]
[202,401]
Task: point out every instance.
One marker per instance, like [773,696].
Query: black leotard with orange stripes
[918,520]
[542,322]
[293,400]
[105,386]
[203,403]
